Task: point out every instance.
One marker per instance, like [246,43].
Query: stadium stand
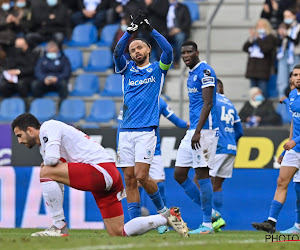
[113,86]
[86,85]
[75,57]
[100,60]
[71,111]
[194,10]
[102,111]
[43,109]
[83,35]
[107,35]
[11,108]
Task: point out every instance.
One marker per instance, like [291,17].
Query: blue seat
[100,60]
[194,10]
[11,108]
[75,58]
[43,109]
[113,86]
[272,86]
[102,111]
[86,85]
[71,110]
[83,35]
[51,94]
[107,35]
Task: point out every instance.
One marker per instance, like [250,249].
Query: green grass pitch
[99,240]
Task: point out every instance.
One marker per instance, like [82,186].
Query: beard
[30,141]
[140,61]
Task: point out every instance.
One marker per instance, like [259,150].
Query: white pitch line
[166,244]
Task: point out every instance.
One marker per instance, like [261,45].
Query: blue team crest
[149,70]
[195,78]
[148,152]
[133,69]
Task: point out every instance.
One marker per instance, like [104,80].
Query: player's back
[227,116]
[75,146]
[141,87]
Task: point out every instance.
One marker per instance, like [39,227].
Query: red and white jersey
[75,146]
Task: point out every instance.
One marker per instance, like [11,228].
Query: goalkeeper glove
[146,25]
[135,23]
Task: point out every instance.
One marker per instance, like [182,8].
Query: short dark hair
[24,121]
[296,67]
[219,82]
[143,40]
[190,43]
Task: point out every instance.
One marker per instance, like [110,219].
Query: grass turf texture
[99,240]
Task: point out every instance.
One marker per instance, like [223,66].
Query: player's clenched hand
[280,159]
[146,25]
[136,23]
[196,141]
[289,145]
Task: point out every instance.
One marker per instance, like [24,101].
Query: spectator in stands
[19,69]
[128,7]
[52,72]
[260,47]
[258,111]
[24,14]
[49,22]
[179,25]
[273,10]
[125,22]
[7,25]
[157,11]
[99,11]
[288,53]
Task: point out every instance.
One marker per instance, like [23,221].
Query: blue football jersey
[167,112]
[227,117]
[201,76]
[294,98]
[141,88]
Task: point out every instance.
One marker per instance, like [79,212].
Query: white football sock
[141,225]
[297,225]
[53,195]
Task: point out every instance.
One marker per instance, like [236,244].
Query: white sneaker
[53,231]
[175,221]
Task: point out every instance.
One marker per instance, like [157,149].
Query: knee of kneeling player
[45,172]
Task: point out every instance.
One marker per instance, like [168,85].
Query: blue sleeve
[119,58]
[166,57]
[177,121]
[238,130]
[283,153]
[287,105]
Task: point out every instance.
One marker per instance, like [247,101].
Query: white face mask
[52,2]
[124,27]
[5,6]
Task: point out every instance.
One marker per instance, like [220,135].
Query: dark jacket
[42,23]
[59,67]
[260,68]
[7,30]
[183,18]
[24,61]
[265,110]
[157,15]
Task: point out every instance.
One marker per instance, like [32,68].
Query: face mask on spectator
[21,4]
[288,21]
[261,31]
[51,55]
[259,98]
[5,6]
[51,2]
[124,27]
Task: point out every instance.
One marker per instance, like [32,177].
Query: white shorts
[157,169]
[135,147]
[291,158]
[203,157]
[223,166]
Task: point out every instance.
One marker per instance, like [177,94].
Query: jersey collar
[146,66]
[197,65]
